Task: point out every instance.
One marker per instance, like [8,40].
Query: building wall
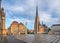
[22,29]
[55,30]
[41,29]
[17,28]
[13,29]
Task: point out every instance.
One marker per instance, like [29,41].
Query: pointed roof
[36,10]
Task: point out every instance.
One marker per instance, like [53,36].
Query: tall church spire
[37,22]
[36,10]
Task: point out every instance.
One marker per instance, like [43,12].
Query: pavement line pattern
[43,38]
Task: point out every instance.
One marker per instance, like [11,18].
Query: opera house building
[17,28]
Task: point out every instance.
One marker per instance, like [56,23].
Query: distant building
[2,21]
[30,31]
[17,28]
[22,29]
[43,29]
[39,28]
[13,29]
[55,29]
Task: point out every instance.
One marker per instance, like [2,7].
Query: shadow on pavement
[3,39]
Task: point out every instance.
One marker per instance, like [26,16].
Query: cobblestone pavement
[12,39]
[42,38]
[27,38]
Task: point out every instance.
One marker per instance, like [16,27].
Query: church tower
[37,22]
[2,20]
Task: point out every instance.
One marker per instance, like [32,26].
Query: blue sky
[24,11]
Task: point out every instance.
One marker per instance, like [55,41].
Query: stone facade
[17,28]
[13,29]
[22,29]
[43,29]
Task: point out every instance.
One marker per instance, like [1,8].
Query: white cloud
[47,18]
[17,9]
[31,3]
[28,7]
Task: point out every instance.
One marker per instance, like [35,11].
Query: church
[39,28]
[2,21]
